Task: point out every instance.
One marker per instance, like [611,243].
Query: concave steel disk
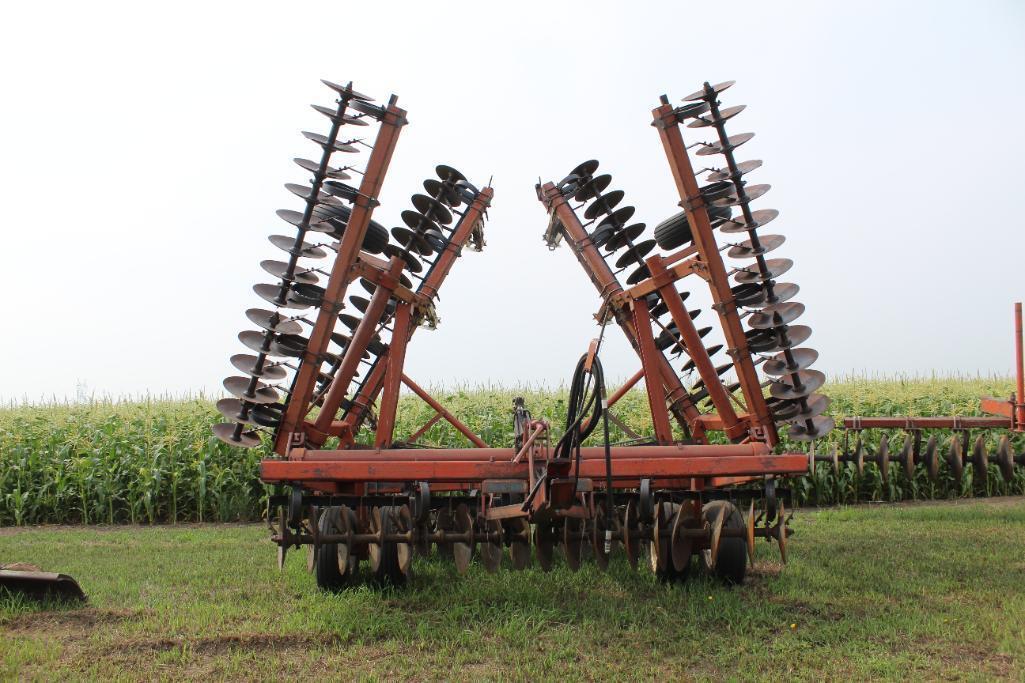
[766,243]
[572,542]
[443,192]
[261,415]
[774,268]
[467,191]
[612,237]
[417,221]
[604,204]
[413,264]
[820,426]
[719,370]
[618,218]
[225,431]
[590,188]
[743,168]
[732,143]
[638,275]
[361,304]
[711,351]
[329,172]
[756,296]
[681,544]
[333,115]
[519,545]
[817,404]
[432,208]
[761,217]
[257,341]
[411,240]
[785,388]
[716,89]
[232,408]
[434,238]
[724,115]
[350,321]
[291,345]
[279,269]
[689,111]
[371,287]
[491,550]
[270,293]
[295,218]
[717,190]
[346,91]
[273,321]
[371,110]
[239,388]
[305,250]
[631,533]
[767,341]
[304,192]
[801,359]
[586,169]
[544,546]
[449,174]
[751,193]
[341,190]
[462,549]
[327,144]
[246,363]
[310,295]
[775,316]
[635,253]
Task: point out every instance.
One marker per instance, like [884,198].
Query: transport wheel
[334,566]
[384,558]
[731,565]
[673,231]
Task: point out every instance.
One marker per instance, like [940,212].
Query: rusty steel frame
[667,124]
[348,251]
[1007,414]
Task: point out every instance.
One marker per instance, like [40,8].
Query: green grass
[915,591]
[155,461]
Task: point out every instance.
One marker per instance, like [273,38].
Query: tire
[673,232]
[329,575]
[731,566]
[374,241]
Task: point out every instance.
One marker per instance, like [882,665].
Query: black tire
[376,238]
[731,566]
[388,571]
[329,575]
[374,241]
[673,232]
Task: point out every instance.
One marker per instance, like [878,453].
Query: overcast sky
[145,146]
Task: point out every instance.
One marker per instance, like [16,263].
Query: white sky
[144,149]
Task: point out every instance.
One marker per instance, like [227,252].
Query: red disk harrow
[325,372]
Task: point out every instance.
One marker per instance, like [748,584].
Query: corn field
[155,461]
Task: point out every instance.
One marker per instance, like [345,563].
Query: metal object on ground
[28,581]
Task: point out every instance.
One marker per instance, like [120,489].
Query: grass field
[152,461]
[911,591]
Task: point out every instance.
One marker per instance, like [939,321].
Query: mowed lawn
[918,591]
